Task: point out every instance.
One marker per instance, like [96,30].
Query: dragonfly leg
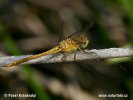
[49,58]
[64,57]
[95,54]
[90,52]
[74,56]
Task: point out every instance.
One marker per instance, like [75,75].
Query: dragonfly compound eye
[83,42]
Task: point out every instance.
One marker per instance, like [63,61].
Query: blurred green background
[31,27]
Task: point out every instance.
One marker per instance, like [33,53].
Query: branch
[80,55]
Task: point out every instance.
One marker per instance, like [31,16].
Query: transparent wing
[82,31]
[61,32]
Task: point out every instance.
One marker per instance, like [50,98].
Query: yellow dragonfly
[76,41]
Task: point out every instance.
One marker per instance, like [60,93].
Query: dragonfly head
[82,41]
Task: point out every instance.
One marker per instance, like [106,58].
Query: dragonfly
[75,42]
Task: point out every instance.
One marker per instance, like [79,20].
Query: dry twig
[80,55]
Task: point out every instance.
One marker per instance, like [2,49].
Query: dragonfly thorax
[68,45]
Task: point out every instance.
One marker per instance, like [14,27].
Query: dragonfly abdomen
[51,51]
